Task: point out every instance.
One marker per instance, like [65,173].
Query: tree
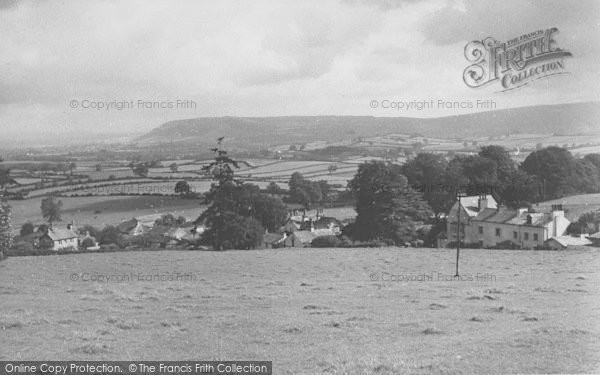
[270,212]
[554,168]
[98,167]
[173,167]
[91,230]
[51,209]
[587,223]
[229,216]
[110,235]
[182,187]
[71,167]
[481,174]
[594,159]
[426,173]
[586,176]
[141,169]
[332,168]
[43,229]
[388,209]
[5,178]
[221,169]
[88,242]
[520,190]
[303,191]
[273,188]
[26,229]
[505,165]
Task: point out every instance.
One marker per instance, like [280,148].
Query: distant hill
[575,118]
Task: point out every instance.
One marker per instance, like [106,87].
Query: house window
[480,229]
[526,236]
[535,236]
[498,232]
[515,235]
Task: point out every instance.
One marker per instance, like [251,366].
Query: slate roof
[471,204]
[305,236]
[512,217]
[61,234]
[127,226]
[595,235]
[272,237]
[565,241]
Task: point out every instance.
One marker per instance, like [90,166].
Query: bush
[326,241]
[26,229]
[88,242]
[506,245]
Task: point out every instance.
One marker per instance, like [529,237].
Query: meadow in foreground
[311,310]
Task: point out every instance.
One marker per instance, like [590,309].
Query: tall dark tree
[51,209]
[520,190]
[594,159]
[554,168]
[388,209]
[426,174]
[230,216]
[586,177]
[505,165]
[222,168]
[304,191]
[481,174]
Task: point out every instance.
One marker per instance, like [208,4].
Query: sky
[60,60]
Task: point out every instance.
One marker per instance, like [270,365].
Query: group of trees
[547,173]
[307,192]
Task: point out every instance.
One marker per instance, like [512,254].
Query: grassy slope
[312,310]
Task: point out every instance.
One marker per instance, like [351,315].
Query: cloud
[262,57]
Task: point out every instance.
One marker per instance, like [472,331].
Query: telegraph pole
[459,195]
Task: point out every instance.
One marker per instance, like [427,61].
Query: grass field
[100,211]
[311,310]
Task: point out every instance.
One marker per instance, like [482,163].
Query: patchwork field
[311,310]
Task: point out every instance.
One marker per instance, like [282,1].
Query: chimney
[482,203]
[529,221]
[557,210]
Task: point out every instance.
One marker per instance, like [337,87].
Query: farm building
[59,239]
[304,238]
[273,240]
[132,227]
[595,238]
[563,242]
[300,238]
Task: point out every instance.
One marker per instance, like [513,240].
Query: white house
[488,225]
[59,239]
[469,208]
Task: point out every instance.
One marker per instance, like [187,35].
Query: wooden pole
[458,236]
